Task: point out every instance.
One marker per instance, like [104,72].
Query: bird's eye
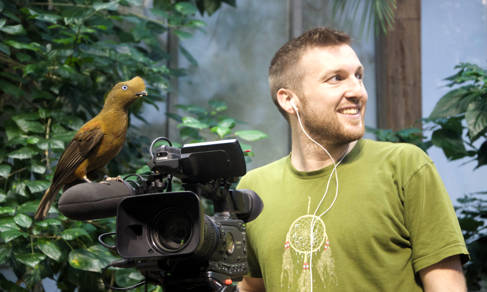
[124,87]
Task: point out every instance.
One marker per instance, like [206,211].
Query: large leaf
[251,135]
[13,29]
[50,249]
[450,142]
[92,259]
[112,5]
[5,170]
[30,259]
[194,123]
[476,118]
[73,233]
[23,153]
[37,186]
[12,234]
[450,104]
[23,220]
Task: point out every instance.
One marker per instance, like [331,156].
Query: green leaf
[251,135]
[7,210]
[182,34]
[143,169]
[23,153]
[29,207]
[476,119]
[73,233]
[450,142]
[8,224]
[36,168]
[30,259]
[93,259]
[19,188]
[3,197]
[112,5]
[221,131]
[32,46]
[127,277]
[482,155]
[450,104]
[218,105]
[4,254]
[12,234]
[29,126]
[185,8]
[11,89]
[13,29]
[5,170]
[4,49]
[49,222]
[33,140]
[50,249]
[37,186]
[194,123]
[23,220]
[227,123]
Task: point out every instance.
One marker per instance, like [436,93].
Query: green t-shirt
[392,217]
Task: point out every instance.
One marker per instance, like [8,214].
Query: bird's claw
[108,179]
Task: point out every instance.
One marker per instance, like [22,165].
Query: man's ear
[285,98]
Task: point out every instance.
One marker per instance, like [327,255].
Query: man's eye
[335,78]
[359,76]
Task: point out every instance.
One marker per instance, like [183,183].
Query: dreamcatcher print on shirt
[298,250]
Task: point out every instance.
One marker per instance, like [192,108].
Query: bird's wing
[77,150]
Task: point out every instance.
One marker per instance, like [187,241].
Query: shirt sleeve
[435,233]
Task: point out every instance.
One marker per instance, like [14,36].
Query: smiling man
[343,213]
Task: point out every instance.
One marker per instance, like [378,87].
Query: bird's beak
[142,93]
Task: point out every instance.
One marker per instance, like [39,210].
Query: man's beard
[328,131]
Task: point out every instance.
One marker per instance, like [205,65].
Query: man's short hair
[284,72]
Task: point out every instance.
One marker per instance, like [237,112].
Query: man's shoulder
[394,149]
[266,172]
[270,168]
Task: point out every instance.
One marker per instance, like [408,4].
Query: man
[343,213]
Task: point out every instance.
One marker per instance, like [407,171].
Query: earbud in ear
[294,106]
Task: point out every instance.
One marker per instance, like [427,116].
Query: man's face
[332,95]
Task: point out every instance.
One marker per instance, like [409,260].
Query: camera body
[168,236]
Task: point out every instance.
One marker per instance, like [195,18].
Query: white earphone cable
[334,171]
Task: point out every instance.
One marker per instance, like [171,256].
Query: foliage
[379,13]
[58,59]
[410,135]
[460,116]
[201,124]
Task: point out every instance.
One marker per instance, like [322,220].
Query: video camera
[166,235]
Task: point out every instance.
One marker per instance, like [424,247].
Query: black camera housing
[168,236]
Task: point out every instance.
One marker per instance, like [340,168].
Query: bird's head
[126,92]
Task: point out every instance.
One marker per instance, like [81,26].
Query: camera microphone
[86,201]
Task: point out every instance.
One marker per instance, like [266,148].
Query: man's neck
[307,156]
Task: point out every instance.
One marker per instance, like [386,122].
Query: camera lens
[171,230]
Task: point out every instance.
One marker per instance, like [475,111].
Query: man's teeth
[350,111]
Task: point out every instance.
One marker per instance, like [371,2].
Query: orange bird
[96,142]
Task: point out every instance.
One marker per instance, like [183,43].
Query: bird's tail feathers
[46,202]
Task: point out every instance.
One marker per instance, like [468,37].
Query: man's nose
[355,88]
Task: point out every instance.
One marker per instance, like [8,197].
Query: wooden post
[398,69]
